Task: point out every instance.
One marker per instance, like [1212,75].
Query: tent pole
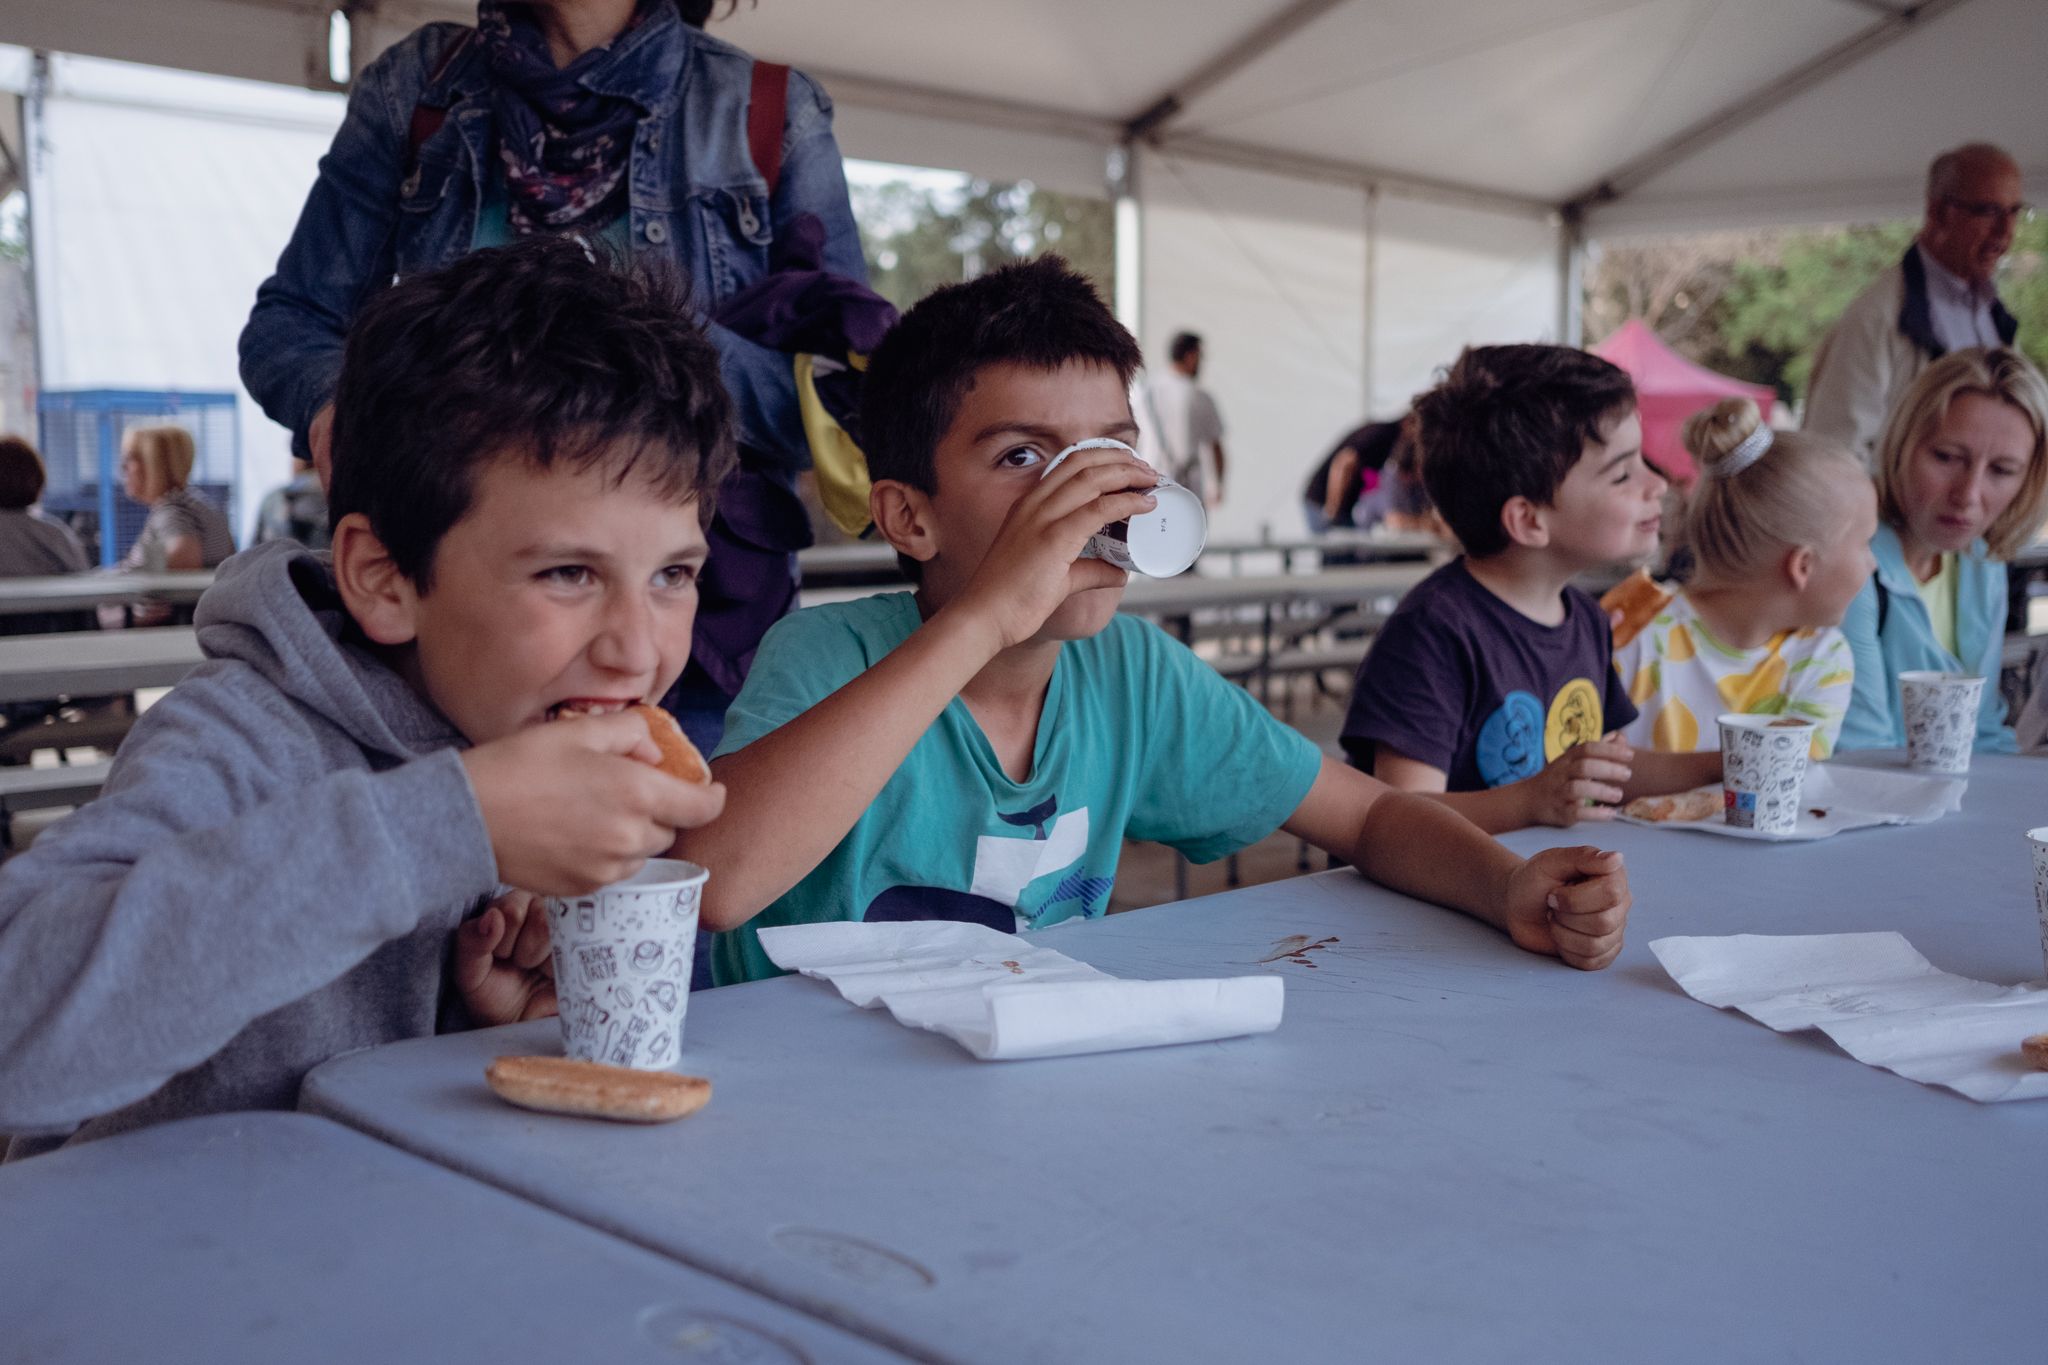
[1129,304]
[1367,356]
[1571,276]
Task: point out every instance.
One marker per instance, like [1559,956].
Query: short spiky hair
[1511,421]
[531,351]
[1040,314]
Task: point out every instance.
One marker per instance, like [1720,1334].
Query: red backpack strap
[427,118]
[767,113]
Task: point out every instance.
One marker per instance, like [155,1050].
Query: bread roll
[679,757]
[558,1085]
[1638,599]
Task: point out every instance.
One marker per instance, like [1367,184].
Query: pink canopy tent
[1670,389]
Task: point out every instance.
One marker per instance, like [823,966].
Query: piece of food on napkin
[1702,804]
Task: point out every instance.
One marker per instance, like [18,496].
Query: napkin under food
[1838,797]
[1003,999]
[1881,1002]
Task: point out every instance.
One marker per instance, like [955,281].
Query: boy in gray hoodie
[297,850]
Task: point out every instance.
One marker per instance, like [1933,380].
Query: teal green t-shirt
[1139,738]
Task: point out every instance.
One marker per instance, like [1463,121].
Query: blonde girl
[1779,527]
[184,531]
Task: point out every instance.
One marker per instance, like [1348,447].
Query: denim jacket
[696,200]
[1906,643]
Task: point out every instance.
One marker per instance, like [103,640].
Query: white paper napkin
[1840,797]
[1878,999]
[1004,999]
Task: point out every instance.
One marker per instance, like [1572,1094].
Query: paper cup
[2037,839]
[622,965]
[1763,770]
[1160,543]
[1940,712]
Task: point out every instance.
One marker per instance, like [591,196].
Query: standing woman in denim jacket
[1962,483]
[619,121]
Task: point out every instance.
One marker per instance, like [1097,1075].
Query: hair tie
[1744,455]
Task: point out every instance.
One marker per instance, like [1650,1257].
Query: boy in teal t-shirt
[979,749]
[1138,738]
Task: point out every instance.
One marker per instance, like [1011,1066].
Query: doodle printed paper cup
[1763,770]
[1159,543]
[2037,840]
[1940,712]
[622,965]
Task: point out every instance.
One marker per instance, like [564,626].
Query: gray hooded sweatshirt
[269,879]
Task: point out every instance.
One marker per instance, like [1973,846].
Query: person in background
[1400,500]
[31,543]
[1962,482]
[1939,298]
[1340,480]
[184,531]
[623,125]
[1182,432]
[296,510]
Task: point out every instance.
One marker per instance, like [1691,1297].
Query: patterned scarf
[564,149]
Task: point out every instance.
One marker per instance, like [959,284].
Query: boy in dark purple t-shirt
[1493,683]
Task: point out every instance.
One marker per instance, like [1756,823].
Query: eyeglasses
[1986,212]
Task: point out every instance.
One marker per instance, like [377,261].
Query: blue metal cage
[80,431]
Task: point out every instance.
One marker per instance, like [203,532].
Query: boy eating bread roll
[526,445]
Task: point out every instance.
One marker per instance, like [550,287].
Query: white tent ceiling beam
[1263,38]
[1626,178]
[1307,167]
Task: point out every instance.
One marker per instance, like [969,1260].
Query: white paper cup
[2037,839]
[1160,543]
[622,965]
[1940,713]
[1763,770]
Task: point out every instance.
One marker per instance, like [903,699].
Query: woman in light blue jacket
[1962,483]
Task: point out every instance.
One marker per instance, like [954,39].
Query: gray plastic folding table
[1450,1150]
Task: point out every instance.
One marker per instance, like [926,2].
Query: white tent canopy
[1337,193]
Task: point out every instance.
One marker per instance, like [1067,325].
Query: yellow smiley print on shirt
[1574,718]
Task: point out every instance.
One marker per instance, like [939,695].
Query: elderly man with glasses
[1938,299]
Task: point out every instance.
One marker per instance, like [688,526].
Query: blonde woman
[184,531]
[1779,525]
[1962,482]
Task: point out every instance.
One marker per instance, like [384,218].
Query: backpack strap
[428,116]
[767,114]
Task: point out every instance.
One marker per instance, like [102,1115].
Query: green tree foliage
[1777,311]
[1756,305]
[918,238]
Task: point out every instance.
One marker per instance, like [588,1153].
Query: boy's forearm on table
[794,793]
[1422,846]
[1494,811]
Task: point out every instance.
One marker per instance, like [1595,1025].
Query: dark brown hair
[1039,314]
[21,474]
[1511,421]
[531,351]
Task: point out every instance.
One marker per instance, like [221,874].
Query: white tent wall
[1445,277]
[159,202]
[1270,272]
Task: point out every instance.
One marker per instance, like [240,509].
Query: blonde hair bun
[1712,434]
